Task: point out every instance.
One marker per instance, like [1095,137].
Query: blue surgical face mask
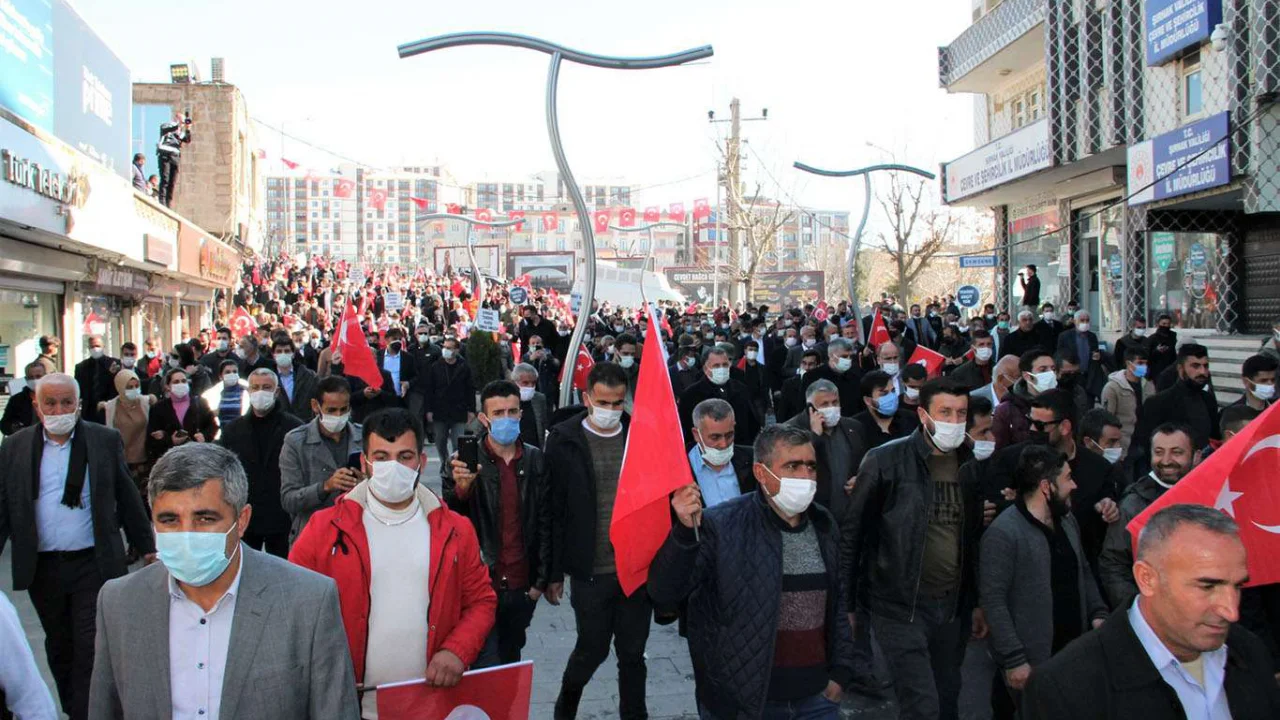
[887,404]
[1140,371]
[504,431]
[195,558]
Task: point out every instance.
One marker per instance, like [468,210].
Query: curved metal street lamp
[646,229]
[855,242]
[471,221]
[558,53]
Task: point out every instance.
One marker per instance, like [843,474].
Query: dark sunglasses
[1042,424]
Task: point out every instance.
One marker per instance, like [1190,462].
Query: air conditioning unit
[217,69]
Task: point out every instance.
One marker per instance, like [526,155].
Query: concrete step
[1244,343]
[1231,382]
[1226,397]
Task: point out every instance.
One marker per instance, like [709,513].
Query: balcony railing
[985,38]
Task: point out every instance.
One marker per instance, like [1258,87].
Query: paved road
[551,637]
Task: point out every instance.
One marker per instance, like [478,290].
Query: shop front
[205,265]
[1035,238]
[1099,238]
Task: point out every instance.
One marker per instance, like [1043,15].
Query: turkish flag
[484,215]
[676,212]
[580,368]
[495,693]
[343,188]
[517,215]
[627,217]
[654,465]
[550,221]
[453,208]
[357,356]
[422,203]
[377,198]
[879,331]
[289,164]
[523,281]
[242,323]
[600,218]
[1237,479]
[457,288]
[701,209]
[94,324]
[652,214]
[931,360]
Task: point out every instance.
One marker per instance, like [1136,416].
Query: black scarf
[74,485]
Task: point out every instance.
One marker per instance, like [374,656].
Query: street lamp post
[559,53]
[470,221]
[855,243]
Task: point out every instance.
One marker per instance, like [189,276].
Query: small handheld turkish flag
[241,323]
[600,218]
[701,209]
[627,217]
[1238,480]
[550,221]
[517,215]
[652,214]
[932,361]
[357,356]
[496,693]
[676,212]
[879,332]
[343,188]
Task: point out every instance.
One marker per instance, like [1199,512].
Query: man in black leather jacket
[910,544]
[506,500]
[772,556]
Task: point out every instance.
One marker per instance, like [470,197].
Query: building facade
[1128,149]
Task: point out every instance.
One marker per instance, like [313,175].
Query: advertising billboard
[696,283]
[786,289]
[60,77]
[552,270]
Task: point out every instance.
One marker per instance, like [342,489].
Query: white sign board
[1012,156]
[394,300]
[487,320]
[1064,260]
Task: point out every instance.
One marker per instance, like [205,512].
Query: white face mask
[284,360]
[230,380]
[1113,454]
[262,400]
[890,368]
[1264,392]
[128,362]
[133,393]
[240,353]
[983,449]
[1047,317]
[626,361]
[716,456]
[179,390]
[947,436]
[423,338]
[59,424]
[334,423]
[222,346]
[808,343]
[910,392]
[789,342]
[794,495]
[830,415]
[1082,326]
[843,364]
[1139,332]
[392,482]
[720,375]
[1044,381]
[751,355]
[983,353]
[446,353]
[526,393]
[606,419]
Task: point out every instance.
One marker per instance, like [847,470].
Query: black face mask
[395,347]
[1068,380]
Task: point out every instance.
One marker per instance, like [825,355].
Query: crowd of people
[854,522]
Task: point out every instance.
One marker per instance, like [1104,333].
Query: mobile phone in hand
[469,451]
[353,464]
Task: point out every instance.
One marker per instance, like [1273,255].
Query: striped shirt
[800,652]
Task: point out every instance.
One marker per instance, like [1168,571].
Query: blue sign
[1174,25]
[968,296]
[60,77]
[1167,161]
[1196,254]
[1117,267]
[977,261]
[518,295]
[26,60]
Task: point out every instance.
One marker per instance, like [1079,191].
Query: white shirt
[61,528]
[391,363]
[198,646]
[1207,702]
[24,690]
[399,595]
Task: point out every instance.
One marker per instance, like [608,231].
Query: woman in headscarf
[128,413]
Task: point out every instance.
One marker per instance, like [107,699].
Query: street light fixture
[856,241]
[559,53]
[470,221]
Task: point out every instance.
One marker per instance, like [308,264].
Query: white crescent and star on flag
[1227,496]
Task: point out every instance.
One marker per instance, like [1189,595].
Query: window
[1192,90]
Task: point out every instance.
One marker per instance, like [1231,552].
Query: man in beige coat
[1126,390]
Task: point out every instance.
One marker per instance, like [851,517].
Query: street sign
[1162,249]
[977,261]
[518,295]
[968,296]
[487,320]
[1196,254]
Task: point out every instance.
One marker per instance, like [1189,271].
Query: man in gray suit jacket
[216,629]
[65,494]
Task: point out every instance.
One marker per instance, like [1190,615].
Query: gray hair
[56,379]
[190,466]
[884,345]
[1080,312]
[1165,523]
[265,372]
[524,369]
[839,344]
[717,350]
[1025,314]
[770,437]
[713,408]
[820,386]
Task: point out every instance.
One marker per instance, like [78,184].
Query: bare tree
[918,233]
[832,259]
[757,220]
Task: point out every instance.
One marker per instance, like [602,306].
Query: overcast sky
[834,75]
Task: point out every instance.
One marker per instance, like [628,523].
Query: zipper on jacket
[928,512]
[431,597]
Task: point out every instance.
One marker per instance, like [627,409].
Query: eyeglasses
[1042,424]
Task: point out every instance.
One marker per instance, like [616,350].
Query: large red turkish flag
[627,217]
[1238,479]
[484,215]
[652,214]
[377,198]
[676,212]
[654,465]
[517,215]
[357,356]
[550,221]
[242,323]
[879,332]
[497,693]
[343,188]
[600,218]
[701,209]
[931,360]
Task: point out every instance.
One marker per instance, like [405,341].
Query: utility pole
[731,180]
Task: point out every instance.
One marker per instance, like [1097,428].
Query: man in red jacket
[416,597]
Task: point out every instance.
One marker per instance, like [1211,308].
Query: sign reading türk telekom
[1012,156]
